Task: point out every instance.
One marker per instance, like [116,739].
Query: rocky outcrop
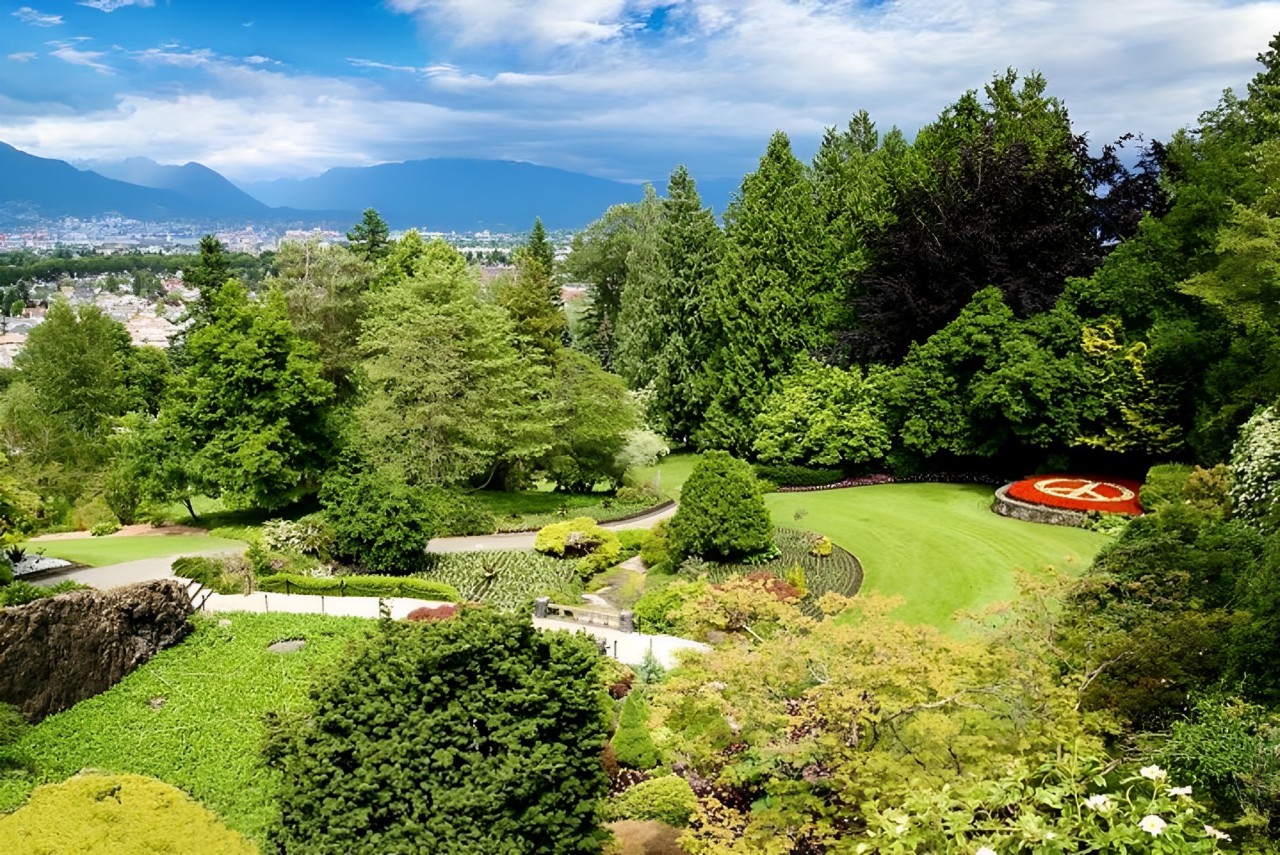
[56,652]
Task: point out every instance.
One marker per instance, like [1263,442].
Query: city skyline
[622,89]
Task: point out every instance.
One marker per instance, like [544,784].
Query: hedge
[360,586]
[790,475]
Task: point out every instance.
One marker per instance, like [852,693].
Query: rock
[286,646]
[56,652]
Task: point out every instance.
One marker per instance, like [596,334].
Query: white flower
[1100,802]
[985,850]
[1152,825]
[1153,773]
[1215,833]
[1179,791]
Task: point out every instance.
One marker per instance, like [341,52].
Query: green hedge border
[360,586]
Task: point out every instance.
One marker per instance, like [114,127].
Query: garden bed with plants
[1104,494]
[506,580]
[531,510]
[838,571]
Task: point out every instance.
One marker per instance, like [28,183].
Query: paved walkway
[524,539]
[127,573]
[628,647]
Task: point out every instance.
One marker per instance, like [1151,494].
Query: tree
[1255,469]
[208,275]
[598,259]
[370,237]
[326,290]
[532,298]
[768,303]
[476,734]
[823,415]
[250,411]
[722,515]
[449,396]
[594,416]
[75,362]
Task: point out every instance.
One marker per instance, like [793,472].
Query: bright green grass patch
[100,551]
[669,475]
[938,546]
[206,736]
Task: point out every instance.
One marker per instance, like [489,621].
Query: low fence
[623,621]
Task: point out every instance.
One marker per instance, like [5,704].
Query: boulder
[56,652]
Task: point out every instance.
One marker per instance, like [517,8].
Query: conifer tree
[768,304]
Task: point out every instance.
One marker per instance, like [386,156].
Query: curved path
[524,539]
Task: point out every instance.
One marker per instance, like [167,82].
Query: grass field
[100,551]
[938,546]
[193,715]
[669,475]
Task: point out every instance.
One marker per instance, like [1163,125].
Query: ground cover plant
[938,546]
[116,813]
[506,579]
[193,715]
[101,551]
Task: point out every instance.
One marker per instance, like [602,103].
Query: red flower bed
[433,613]
[1080,493]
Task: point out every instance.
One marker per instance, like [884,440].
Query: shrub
[477,734]
[6,570]
[20,593]
[90,513]
[642,495]
[122,491]
[379,522]
[225,576]
[790,475]
[105,528]
[460,516]
[821,547]
[722,514]
[618,678]
[431,613]
[632,539]
[311,535]
[1164,485]
[360,586]
[631,742]
[117,813]
[600,548]
[668,799]
[656,609]
[1255,470]
[655,549]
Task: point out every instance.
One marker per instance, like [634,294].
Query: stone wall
[56,652]
[1007,506]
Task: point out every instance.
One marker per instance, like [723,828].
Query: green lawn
[669,475]
[938,546]
[193,715]
[100,551]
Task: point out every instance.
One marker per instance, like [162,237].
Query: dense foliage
[722,514]
[477,733]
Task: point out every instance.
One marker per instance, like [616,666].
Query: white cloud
[112,5]
[548,23]
[24,56]
[708,90]
[27,15]
[67,52]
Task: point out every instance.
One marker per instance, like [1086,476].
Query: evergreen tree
[370,238]
[768,306]
[532,298]
[598,260]
[642,311]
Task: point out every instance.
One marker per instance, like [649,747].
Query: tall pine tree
[768,305]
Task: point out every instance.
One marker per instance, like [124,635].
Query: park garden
[780,435]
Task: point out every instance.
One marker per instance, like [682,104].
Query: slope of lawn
[669,475]
[193,715]
[101,551]
[938,546]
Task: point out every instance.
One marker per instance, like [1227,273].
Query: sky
[623,89]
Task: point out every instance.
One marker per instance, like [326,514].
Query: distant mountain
[217,195]
[456,194]
[43,188]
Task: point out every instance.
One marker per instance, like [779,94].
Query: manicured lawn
[100,551]
[670,473]
[938,546]
[192,716]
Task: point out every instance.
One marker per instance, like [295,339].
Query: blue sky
[618,88]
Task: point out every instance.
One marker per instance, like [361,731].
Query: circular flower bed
[1079,493]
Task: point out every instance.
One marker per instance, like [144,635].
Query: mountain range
[435,194]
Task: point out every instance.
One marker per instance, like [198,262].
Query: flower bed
[1080,493]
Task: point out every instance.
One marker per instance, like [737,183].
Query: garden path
[524,539]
